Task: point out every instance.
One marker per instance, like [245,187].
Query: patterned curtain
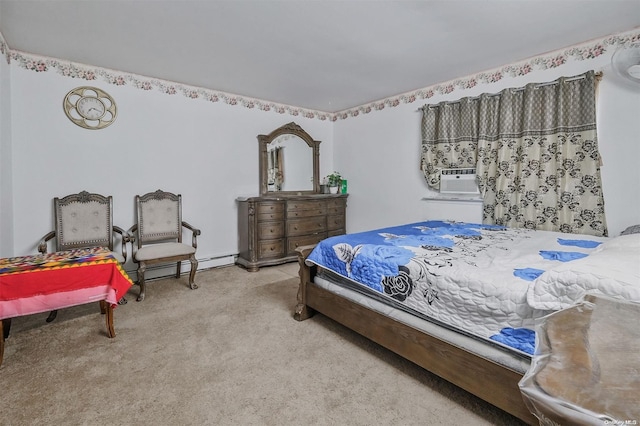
[538,162]
[449,138]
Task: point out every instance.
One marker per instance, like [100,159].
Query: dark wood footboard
[487,380]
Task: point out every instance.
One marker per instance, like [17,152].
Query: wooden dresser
[270,228]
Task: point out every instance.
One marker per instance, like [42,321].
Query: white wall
[6,190]
[378,152]
[619,142]
[206,151]
[379,155]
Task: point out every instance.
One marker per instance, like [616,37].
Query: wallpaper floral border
[554,59]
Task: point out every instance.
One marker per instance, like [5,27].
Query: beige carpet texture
[227,353]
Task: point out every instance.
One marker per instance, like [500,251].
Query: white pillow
[613,269]
[629,241]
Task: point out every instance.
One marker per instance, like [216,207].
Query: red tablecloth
[32,284]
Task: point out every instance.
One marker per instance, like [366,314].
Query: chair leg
[178,269]
[141,268]
[192,274]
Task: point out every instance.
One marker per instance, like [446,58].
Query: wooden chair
[158,233]
[85,220]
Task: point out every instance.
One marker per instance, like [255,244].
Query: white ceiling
[327,55]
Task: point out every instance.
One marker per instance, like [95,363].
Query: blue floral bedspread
[471,277]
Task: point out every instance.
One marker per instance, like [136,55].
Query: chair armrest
[125,239]
[194,231]
[42,245]
[131,232]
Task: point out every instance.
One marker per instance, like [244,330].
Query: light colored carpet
[228,353]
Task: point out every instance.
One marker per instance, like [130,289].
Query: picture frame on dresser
[290,211]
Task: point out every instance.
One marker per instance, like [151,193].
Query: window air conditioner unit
[458,181]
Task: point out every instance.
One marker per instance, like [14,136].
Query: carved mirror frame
[288,129]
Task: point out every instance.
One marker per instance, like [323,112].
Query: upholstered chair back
[83,220]
[159,217]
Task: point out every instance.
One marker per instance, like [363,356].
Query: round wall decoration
[90,107]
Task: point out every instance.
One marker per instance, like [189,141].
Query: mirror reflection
[289,165]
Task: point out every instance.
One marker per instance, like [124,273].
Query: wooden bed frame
[494,383]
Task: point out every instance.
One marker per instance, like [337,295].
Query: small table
[585,370]
[46,282]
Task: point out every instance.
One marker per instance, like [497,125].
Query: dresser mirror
[289,162]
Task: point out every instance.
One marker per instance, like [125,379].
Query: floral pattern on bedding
[471,277]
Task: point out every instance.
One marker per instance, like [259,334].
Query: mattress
[472,279]
[488,350]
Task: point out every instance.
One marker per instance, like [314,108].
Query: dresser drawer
[335,232]
[336,204]
[307,226]
[270,230]
[331,211]
[295,242]
[270,211]
[317,211]
[270,216]
[271,248]
[306,208]
[336,207]
[335,222]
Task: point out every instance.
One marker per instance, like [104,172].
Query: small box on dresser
[270,228]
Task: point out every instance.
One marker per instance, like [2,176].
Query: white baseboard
[169,269]
[213,262]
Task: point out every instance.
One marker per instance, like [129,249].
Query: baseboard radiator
[169,269]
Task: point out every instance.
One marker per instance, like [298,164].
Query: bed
[462,299]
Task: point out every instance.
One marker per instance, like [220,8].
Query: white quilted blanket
[613,269]
[473,277]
